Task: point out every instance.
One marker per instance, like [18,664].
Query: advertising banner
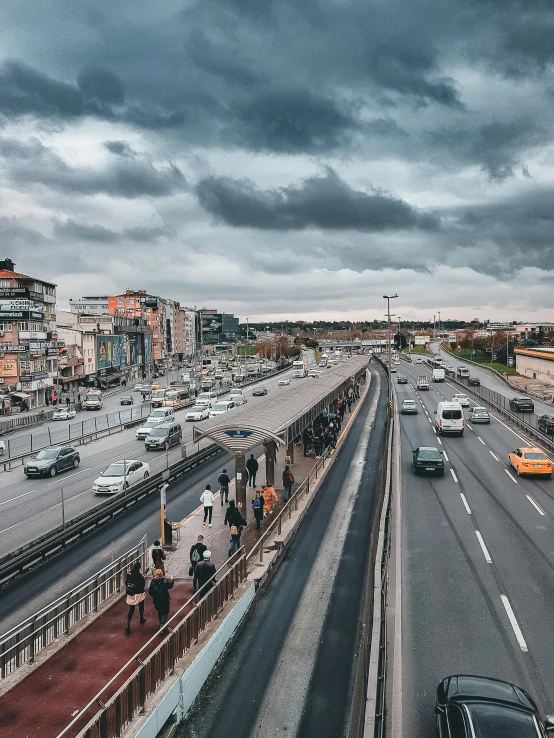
[211,325]
[8,368]
[421,340]
[14,293]
[147,348]
[123,351]
[132,342]
[21,315]
[107,351]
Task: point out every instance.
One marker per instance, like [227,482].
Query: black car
[546,423]
[163,436]
[428,459]
[469,706]
[474,381]
[126,400]
[401,379]
[260,391]
[522,405]
[51,461]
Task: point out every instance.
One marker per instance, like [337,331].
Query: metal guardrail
[22,644]
[183,630]
[40,550]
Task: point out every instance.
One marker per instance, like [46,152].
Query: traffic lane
[453,620]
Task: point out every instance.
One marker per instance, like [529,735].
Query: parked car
[546,423]
[522,405]
[64,413]
[428,459]
[408,407]
[529,460]
[474,706]
[51,461]
[126,400]
[402,379]
[163,436]
[259,391]
[198,412]
[119,476]
[479,415]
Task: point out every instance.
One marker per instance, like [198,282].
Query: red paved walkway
[44,703]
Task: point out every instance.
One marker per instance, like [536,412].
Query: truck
[299,369]
[438,375]
[323,360]
[93,400]
[422,383]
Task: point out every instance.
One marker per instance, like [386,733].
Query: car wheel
[52,471]
[76,463]
[146,475]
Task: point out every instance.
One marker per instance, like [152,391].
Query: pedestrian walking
[338,423]
[67,401]
[288,481]
[349,402]
[235,521]
[204,578]
[258,508]
[318,444]
[252,469]
[270,498]
[224,482]
[134,589]
[196,553]
[158,557]
[207,499]
[159,592]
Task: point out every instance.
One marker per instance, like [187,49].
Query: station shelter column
[241,478]
[270,461]
[290,451]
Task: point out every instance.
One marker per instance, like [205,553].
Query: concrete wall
[535,368]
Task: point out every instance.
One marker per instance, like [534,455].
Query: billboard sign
[21,305]
[211,324]
[14,293]
[149,302]
[21,315]
[147,348]
[421,340]
[107,351]
[123,351]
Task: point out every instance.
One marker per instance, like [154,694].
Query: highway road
[289,672]
[31,507]
[477,560]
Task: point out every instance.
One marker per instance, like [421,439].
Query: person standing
[196,554]
[288,481]
[258,508]
[159,592]
[204,575]
[207,499]
[67,401]
[306,437]
[270,498]
[158,557]
[235,521]
[349,401]
[252,469]
[224,482]
[134,589]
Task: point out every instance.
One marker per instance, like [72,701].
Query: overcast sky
[283,158]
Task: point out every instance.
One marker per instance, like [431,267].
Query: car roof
[531,449]
[428,448]
[466,687]
[408,400]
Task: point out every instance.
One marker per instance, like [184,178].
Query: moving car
[163,436]
[198,412]
[530,460]
[162,414]
[473,706]
[284,381]
[221,407]
[474,382]
[546,423]
[145,429]
[126,400]
[51,461]
[312,373]
[64,413]
[522,405]
[449,418]
[239,400]
[402,379]
[422,382]
[119,476]
[260,391]
[419,361]
[139,387]
[479,415]
[393,370]
[93,400]
[461,399]
[408,406]
[428,459]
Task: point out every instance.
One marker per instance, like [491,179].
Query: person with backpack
[159,592]
[258,508]
[288,481]
[196,554]
[203,575]
[224,482]
[252,469]
[158,557]
[207,499]
[134,589]
[235,521]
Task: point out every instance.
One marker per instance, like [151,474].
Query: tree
[400,341]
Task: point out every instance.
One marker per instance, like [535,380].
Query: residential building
[28,340]
[189,323]
[90,306]
[71,362]
[139,304]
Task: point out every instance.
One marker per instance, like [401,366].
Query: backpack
[290,478]
[195,555]
[234,530]
[131,587]
[256,503]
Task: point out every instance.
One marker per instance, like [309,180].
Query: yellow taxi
[529,460]
[155,386]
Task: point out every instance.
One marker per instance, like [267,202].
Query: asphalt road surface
[477,562]
[290,670]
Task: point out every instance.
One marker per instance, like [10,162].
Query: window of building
[4,284]
[5,327]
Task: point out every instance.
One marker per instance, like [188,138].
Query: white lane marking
[469,428]
[18,497]
[511,477]
[483,547]
[68,476]
[454,475]
[514,623]
[428,418]
[468,509]
[494,456]
[445,456]
[537,508]
[480,439]
[438,439]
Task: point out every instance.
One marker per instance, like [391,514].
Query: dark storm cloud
[93,233]
[98,84]
[119,148]
[320,202]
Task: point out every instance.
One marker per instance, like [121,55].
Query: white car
[145,429]
[283,382]
[221,407]
[119,476]
[312,373]
[419,361]
[64,413]
[461,399]
[139,387]
[198,412]
[239,400]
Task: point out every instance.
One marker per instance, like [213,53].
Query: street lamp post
[388,298]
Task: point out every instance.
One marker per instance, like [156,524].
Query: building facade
[189,319]
[536,363]
[139,304]
[90,306]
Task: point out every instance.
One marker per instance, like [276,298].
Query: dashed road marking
[494,455]
[445,456]
[511,477]
[467,507]
[438,439]
[483,547]
[537,508]
[514,623]
[454,475]
[469,428]
[480,439]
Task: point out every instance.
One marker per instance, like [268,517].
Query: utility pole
[388,298]
[439,326]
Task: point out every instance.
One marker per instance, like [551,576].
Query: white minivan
[449,418]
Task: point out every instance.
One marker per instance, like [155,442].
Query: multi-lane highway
[477,558]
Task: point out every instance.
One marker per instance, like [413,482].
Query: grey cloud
[99,84]
[320,202]
[93,233]
[119,148]
[24,91]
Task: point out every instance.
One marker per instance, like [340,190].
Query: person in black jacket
[224,482]
[197,553]
[235,521]
[252,468]
[159,592]
[203,574]
[134,588]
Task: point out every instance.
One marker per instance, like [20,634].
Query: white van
[449,418]
[162,414]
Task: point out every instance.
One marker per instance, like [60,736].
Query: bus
[299,369]
[176,397]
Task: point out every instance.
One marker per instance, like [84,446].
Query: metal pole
[163,490]
[388,298]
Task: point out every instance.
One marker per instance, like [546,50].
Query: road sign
[238,433]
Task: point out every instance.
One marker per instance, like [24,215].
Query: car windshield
[126,397]
[489,720]
[197,409]
[428,454]
[536,456]
[158,432]
[220,407]
[158,413]
[480,411]
[114,470]
[150,424]
[47,453]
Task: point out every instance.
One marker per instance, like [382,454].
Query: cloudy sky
[283,158]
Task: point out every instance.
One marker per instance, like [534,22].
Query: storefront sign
[21,305]
[32,335]
[21,315]
[8,368]
[14,293]
[12,348]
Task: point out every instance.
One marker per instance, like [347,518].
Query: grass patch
[418,350]
[484,359]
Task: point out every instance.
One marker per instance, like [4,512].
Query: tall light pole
[388,298]
[439,327]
